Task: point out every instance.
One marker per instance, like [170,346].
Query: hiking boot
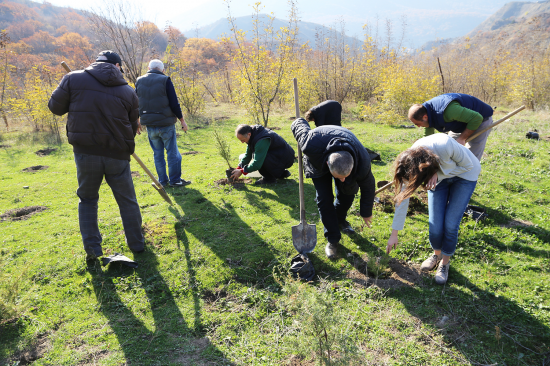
[442,273]
[346,228]
[430,263]
[181,183]
[331,250]
[264,181]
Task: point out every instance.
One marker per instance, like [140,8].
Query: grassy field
[212,287]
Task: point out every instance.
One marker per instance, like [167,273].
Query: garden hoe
[155,184]
[304,236]
[469,139]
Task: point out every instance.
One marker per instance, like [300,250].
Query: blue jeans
[332,212]
[447,203]
[161,138]
[90,170]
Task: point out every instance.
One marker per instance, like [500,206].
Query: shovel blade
[304,237]
[163,194]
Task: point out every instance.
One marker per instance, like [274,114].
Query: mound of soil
[236,183]
[36,351]
[35,168]
[5,146]
[517,223]
[222,118]
[275,128]
[418,203]
[402,274]
[136,175]
[191,153]
[23,213]
[45,152]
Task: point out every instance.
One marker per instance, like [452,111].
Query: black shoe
[346,228]
[286,174]
[331,250]
[181,183]
[263,181]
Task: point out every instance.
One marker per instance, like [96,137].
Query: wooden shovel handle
[300,167]
[496,123]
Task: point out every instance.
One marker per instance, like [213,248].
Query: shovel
[304,236]
[155,184]
[469,138]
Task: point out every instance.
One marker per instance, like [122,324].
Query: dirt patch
[381,183]
[212,296]
[23,213]
[402,275]
[275,128]
[5,146]
[222,118]
[517,223]
[35,168]
[418,203]
[235,183]
[136,175]
[192,355]
[296,360]
[44,152]
[36,351]
[191,153]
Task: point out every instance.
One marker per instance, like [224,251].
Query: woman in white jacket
[449,171]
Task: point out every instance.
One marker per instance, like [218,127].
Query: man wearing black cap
[101,126]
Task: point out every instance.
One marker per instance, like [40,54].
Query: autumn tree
[263,64]
[4,74]
[121,27]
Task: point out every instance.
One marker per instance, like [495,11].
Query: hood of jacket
[106,73]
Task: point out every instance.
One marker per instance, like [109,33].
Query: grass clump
[12,295]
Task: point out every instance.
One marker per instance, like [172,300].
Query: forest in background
[377,80]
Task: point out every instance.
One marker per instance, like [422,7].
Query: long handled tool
[469,138]
[304,235]
[155,184]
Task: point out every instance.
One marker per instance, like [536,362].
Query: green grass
[212,287]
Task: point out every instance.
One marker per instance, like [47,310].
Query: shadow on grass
[248,256]
[472,317]
[169,340]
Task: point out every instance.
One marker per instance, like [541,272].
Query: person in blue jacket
[459,115]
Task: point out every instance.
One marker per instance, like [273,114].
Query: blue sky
[427,19]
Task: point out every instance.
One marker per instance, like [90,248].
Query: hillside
[307,31]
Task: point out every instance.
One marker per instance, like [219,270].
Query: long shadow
[472,317]
[501,219]
[248,256]
[170,336]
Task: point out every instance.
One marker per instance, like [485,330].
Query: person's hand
[392,241]
[184,125]
[432,182]
[138,131]
[368,221]
[461,141]
[236,173]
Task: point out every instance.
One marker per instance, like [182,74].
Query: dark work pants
[90,170]
[332,211]
[271,172]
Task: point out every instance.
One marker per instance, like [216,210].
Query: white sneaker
[442,273]
[430,263]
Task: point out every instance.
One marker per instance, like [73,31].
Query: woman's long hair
[413,167]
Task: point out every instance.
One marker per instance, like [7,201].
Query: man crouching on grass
[266,152]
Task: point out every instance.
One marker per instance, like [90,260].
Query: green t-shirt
[456,112]
[255,160]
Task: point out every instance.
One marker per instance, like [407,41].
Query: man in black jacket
[334,153]
[328,112]
[101,125]
[266,152]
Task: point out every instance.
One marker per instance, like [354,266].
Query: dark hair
[309,116]
[417,112]
[243,129]
[413,168]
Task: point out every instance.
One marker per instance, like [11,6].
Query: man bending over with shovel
[334,153]
[461,115]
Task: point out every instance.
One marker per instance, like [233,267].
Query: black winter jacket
[103,111]
[328,112]
[319,143]
[280,153]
